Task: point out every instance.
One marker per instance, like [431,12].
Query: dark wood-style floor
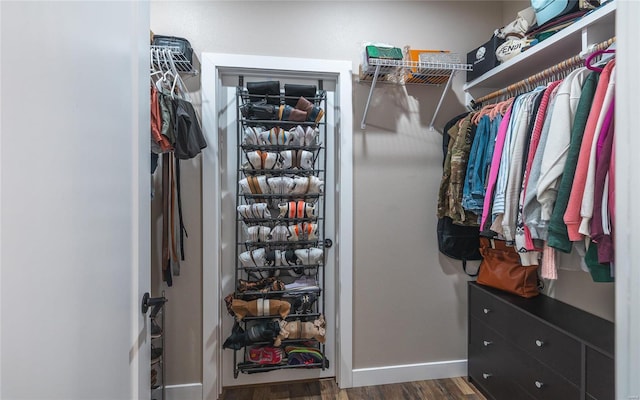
[326,389]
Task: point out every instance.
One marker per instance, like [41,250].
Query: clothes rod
[543,75]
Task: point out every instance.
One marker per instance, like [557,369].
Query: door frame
[211,65]
[627,319]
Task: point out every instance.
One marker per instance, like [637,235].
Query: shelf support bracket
[444,92]
[363,124]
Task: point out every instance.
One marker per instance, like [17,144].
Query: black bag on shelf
[181,45]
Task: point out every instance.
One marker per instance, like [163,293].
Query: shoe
[156,331]
[303,304]
[268,91]
[154,379]
[296,159]
[228,300]
[301,355]
[262,284]
[263,331]
[266,355]
[288,113]
[257,210]
[314,113]
[279,233]
[292,92]
[304,358]
[253,258]
[156,355]
[284,258]
[310,256]
[259,111]
[281,185]
[303,283]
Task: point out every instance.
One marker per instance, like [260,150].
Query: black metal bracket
[148,301]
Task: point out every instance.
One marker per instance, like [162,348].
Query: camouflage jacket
[453,175]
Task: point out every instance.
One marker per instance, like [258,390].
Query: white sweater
[557,145]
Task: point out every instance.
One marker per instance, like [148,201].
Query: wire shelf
[181,61]
[408,72]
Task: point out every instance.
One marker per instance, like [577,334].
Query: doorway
[220,77]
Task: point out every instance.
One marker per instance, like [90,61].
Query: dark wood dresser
[538,348]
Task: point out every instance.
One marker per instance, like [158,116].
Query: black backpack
[457,241]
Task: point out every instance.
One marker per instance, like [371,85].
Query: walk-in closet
[234,199]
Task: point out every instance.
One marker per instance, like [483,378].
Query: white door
[74,199]
[220,181]
[228,117]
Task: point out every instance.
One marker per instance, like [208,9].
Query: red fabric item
[156,122]
[572,215]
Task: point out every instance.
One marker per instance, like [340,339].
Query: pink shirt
[572,215]
[495,166]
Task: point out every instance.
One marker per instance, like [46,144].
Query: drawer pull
[539,384]
[486,310]
[539,343]
[487,342]
[486,376]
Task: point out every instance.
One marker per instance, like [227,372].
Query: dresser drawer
[541,382]
[488,309]
[548,345]
[486,344]
[600,375]
[489,363]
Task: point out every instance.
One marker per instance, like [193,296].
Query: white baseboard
[189,391]
[409,373]
[361,377]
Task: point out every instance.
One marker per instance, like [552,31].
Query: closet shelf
[594,27]
[251,368]
[403,72]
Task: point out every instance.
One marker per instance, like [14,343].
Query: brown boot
[314,113]
[288,113]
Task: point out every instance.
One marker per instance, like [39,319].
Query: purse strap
[464,268]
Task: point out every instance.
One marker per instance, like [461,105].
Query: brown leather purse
[501,269]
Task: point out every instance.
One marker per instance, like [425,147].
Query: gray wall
[409,301]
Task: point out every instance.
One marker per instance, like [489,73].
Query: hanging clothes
[452,183]
[523,241]
[177,135]
[572,217]
[549,155]
[493,173]
[189,140]
[606,115]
